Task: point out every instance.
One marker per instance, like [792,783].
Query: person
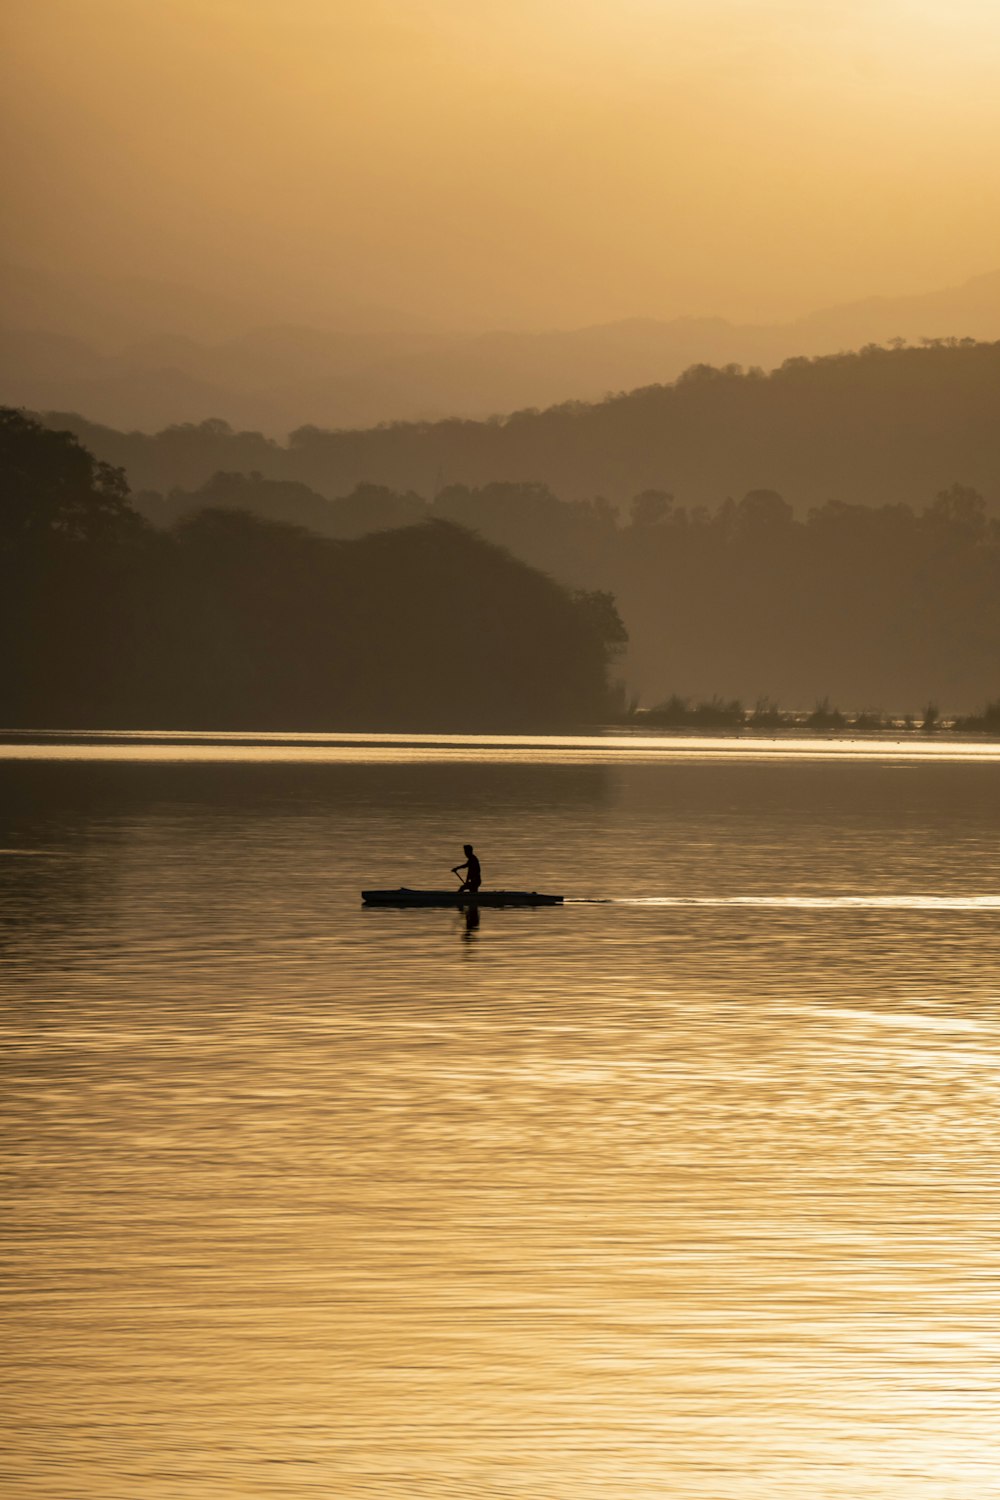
[473,875]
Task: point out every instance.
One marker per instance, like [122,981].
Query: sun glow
[539,163]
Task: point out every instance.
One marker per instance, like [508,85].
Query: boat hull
[405,897]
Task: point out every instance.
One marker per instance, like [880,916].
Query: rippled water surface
[685,1189]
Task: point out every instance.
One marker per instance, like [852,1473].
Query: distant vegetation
[883,426]
[872,575]
[229,621]
[767,717]
[224,619]
[883,605]
[141,354]
[987,721]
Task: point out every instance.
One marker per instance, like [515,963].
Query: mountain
[971,310]
[192,362]
[883,426]
[831,528]
[502,372]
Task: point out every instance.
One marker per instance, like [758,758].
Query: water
[685,1189]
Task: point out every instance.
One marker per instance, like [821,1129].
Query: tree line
[880,426]
[881,607]
[767,716]
[229,620]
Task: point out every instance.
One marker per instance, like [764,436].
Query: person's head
[467,848]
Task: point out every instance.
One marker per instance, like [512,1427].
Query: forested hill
[875,427]
[228,621]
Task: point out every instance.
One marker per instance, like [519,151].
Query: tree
[597,608]
[762,514]
[650,507]
[960,513]
[51,487]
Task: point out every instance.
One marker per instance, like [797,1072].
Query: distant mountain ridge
[831,528]
[379,367]
[884,426]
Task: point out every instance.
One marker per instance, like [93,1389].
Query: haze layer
[536,163]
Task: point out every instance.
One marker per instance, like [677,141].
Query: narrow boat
[405,897]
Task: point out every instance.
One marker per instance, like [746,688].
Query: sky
[507,163]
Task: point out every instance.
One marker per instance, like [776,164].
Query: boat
[405,897]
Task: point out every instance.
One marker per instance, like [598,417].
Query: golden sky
[509,162]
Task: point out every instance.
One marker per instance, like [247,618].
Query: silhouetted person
[473,875]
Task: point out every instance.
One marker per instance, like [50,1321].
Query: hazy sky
[509,162]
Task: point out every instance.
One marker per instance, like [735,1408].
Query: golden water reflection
[597,749]
[690,1192]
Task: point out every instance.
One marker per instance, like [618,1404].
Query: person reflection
[471,920]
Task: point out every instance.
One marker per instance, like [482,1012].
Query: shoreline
[890,732]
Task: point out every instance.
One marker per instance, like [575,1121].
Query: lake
[685,1189]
